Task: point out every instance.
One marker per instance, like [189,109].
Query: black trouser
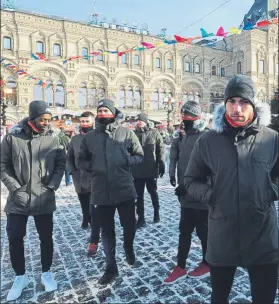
[151,186]
[84,199]
[95,224]
[126,211]
[263,279]
[16,230]
[189,220]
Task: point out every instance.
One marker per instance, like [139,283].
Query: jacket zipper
[107,167]
[238,213]
[30,179]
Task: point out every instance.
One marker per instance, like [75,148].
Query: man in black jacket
[107,152]
[147,172]
[241,156]
[82,183]
[193,214]
[32,166]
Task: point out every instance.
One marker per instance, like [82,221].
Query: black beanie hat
[143,117]
[191,107]
[107,103]
[38,108]
[241,86]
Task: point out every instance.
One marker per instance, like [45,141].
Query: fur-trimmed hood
[199,125]
[262,111]
[23,126]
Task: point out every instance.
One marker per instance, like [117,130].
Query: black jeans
[151,186]
[263,280]
[189,220]
[84,199]
[16,230]
[126,211]
[95,224]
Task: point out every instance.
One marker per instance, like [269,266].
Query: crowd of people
[223,175]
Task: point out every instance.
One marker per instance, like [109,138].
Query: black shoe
[130,256]
[156,217]
[141,224]
[108,277]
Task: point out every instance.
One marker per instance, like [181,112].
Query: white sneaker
[20,283]
[48,281]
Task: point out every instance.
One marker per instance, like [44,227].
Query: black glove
[161,170]
[172,181]
[180,191]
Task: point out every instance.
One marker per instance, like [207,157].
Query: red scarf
[237,124]
[33,127]
[189,117]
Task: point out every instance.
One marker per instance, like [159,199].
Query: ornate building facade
[148,80]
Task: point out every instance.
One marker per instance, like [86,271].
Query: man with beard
[107,152]
[32,166]
[82,183]
[193,214]
[147,172]
[241,156]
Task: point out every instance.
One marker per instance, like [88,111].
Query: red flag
[263,23]
[221,32]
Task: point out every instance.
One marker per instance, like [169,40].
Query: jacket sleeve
[6,165]
[135,150]
[196,176]
[84,156]
[71,158]
[160,149]
[60,165]
[174,156]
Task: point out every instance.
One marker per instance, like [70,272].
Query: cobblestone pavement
[77,275]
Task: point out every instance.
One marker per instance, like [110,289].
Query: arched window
[238,68]
[100,56]
[121,97]
[169,64]
[261,66]
[82,95]
[60,94]
[56,49]
[187,66]
[197,68]
[136,60]
[222,71]
[84,51]
[40,48]
[124,59]
[7,43]
[38,92]
[213,70]
[11,91]
[49,94]
[157,63]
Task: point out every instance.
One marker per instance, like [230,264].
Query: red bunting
[263,23]
[221,32]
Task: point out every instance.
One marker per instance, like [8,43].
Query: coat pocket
[20,196]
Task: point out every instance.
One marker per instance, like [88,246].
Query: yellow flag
[235,30]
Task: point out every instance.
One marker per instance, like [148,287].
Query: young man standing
[148,171]
[241,156]
[107,152]
[32,166]
[82,183]
[193,213]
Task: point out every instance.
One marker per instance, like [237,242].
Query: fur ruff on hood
[262,111]
[199,125]
[23,126]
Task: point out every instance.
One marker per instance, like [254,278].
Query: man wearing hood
[241,156]
[107,152]
[32,166]
[148,171]
[82,183]
[193,214]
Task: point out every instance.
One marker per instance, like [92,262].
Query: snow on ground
[77,275]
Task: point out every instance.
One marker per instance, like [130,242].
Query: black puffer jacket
[242,225]
[32,167]
[154,153]
[180,153]
[107,152]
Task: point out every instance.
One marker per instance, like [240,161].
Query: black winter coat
[32,166]
[154,153]
[242,225]
[107,152]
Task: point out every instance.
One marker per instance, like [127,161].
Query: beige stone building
[137,81]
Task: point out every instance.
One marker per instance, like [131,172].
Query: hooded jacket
[242,162]
[32,166]
[180,153]
[154,153]
[107,152]
[81,178]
